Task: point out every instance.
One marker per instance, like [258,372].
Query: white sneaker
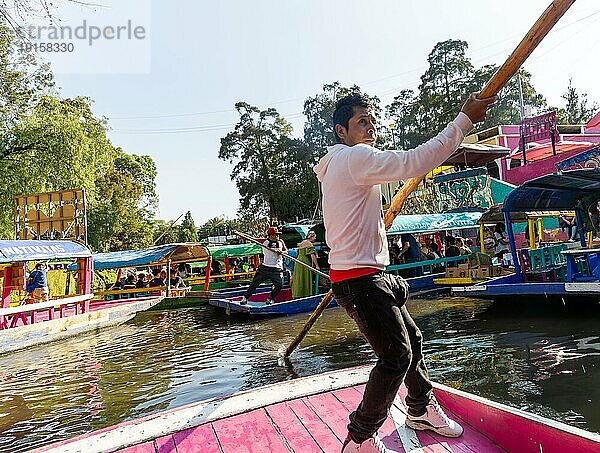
[371,445]
[270,302]
[244,301]
[436,420]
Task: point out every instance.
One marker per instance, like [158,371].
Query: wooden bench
[9,317]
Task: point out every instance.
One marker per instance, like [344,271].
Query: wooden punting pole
[510,67]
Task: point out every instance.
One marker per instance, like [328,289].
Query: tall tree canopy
[577,110]
[445,85]
[257,148]
[48,144]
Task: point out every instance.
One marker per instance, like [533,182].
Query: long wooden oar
[510,67]
[251,239]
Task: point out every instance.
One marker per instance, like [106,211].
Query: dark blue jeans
[264,273]
[376,303]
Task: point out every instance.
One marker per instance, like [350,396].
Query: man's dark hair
[344,110]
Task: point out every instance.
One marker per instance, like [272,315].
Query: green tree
[508,110]
[186,232]
[577,110]
[119,218]
[217,226]
[444,86]
[402,113]
[63,147]
[164,233]
[23,82]
[247,221]
[257,148]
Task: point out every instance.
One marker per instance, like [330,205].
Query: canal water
[546,363]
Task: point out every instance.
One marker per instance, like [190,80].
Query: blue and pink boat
[565,273]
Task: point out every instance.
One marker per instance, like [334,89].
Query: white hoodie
[350,178]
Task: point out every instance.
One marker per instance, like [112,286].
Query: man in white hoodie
[350,174]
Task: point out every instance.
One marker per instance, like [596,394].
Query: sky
[172,97]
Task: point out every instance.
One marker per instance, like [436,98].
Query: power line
[385,93]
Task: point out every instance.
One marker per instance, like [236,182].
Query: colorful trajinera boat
[310,415]
[559,272]
[284,304]
[160,255]
[25,324]
[230,276]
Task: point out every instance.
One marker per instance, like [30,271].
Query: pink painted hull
[298,416]
[95,305]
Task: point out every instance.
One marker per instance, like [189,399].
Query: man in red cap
[271,267]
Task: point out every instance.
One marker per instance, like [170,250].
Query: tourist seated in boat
[37,284]
[185,270]
[216,268]
[157,278]
[463,249]
[271,267]
[430,250]
[411,253]
[500,240]
[302,280]
[116,285]
[142,280]
[130,282]
[451,249]
[175,280]
[568,224]
[395,254]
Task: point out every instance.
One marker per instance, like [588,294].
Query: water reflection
[546,363]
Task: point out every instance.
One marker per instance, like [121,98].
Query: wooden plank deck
[310,424]
[310,415]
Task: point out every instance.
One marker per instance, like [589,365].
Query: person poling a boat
[350,174]
[271,267]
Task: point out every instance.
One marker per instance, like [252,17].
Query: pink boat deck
[310,415]
[311,424]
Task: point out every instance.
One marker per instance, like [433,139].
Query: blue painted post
[511,243]
[579,217]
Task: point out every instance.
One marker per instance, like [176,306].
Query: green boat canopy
[230,251]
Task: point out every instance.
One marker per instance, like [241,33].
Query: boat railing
[430,264]
[9,317]
[133,293]
[231,276]
[583,265]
